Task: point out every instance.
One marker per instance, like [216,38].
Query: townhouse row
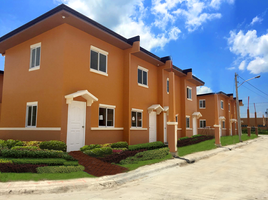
[69,78]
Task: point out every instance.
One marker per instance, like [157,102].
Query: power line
[255,87]
[254,92]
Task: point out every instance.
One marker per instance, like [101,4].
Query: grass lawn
[146,162]
[210,144]
[4,177]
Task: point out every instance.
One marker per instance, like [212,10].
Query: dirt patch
[95,166]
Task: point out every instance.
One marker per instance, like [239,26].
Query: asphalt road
[238,174]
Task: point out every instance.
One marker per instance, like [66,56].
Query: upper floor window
[168,85]
[142,76]
[202,123]
[223,124]
[31,114]
[176,117]
[202,103]
[136,118]
[98,60]
[189,93]
[187,122]
[221,104]
[35,56]
[106,115]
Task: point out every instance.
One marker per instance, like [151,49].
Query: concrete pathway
[241,173]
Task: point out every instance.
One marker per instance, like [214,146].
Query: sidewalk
[29,187]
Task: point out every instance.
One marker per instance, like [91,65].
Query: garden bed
[186,141]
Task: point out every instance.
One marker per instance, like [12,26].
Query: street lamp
[237,103]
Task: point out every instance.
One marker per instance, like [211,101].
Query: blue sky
[216,38]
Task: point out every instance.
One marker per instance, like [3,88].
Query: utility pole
[237,109]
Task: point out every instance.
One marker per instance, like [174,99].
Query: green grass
[146,162]
[4,177]
[210,144]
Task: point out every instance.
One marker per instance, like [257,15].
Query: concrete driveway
[238,174]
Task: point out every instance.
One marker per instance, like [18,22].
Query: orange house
[218,111]
[69,78]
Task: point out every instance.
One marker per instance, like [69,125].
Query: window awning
[83,93]
[233,120]
[156,107]
[166,109]
[222,118]
[197,115]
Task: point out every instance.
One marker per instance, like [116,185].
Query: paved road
[238,174]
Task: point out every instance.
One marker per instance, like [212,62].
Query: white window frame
[143,70]
[222,107]
[190,93]
[203,100]
[34,46]
[28,104]
[223,124]
[167,85]
[176,118]
[201,124]
[106,107]
[188,117]
[137,111]
[99,51]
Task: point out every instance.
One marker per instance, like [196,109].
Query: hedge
[22,168]
[5,161]
[25,148]
[146,155]
[36,161]
[59,169]
[183,138]
[99,151]
[198,135]
[120,145]
[71,163]
[90,147]
[148,146]
[32,143]
[10,143]
[53,145]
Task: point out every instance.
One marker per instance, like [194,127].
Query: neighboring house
[218,111]
[69,78]
[261,122]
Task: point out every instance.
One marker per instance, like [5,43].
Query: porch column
[216,120]
[248,127]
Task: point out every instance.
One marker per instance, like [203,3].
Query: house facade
[218,111]
[69,78]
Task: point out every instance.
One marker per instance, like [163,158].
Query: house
[218,111]
[261,122]
[69,78]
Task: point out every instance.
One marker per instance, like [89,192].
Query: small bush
[11,153]
[22,168]
[5,161]
[11,143]
[106,145]
[66,156]
[53,145]
[47,161]
[3,144]
[123,149]
[70,163]
[148,146]
[25,148]
[59,169]
[98,152]
[184,138]
[90,147]
[33,143]
[198,135]
[146,155]
[120,145]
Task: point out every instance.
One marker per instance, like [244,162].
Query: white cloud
[255,20]
[231,68]
[216,3]
[242,65]
[252,47]
[203,90]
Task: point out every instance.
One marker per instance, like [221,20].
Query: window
[187,122]
[98,60]
[176,117]
[106,115]
[168,85]
[136,119]
[35,56]
[202,103]
[189,93]
[229,107]
[31,114]
[202,123]
[223,124]
[221,104]
[142,76]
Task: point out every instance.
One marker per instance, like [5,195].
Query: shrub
[90,147]
[146,155]
[184,138]
[33,143]
[120,145]
[198,135]
[25,148]
[66,156]
[11,153]
[11,143]
[22,168]
[3,144]
[53,145]
[47,161]
[59,169]
[71,163]
[148,146]
[99,152]
[106,145]
[122,149]
[5,161]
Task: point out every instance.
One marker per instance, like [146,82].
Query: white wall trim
[142,85]
[189,129]
[179,129]
[138,129]
[34,68]
[106,106]
[107,129]
[98,50]
[35,45]
[34,103]
[172,123]
[32,129]
[142,68]
[98,72]
[136,110]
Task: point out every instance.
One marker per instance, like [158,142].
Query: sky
[216,38]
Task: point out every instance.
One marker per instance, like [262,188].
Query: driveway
[238,174]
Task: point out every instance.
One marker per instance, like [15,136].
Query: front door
[165,127]
[76,125]
[152,127]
